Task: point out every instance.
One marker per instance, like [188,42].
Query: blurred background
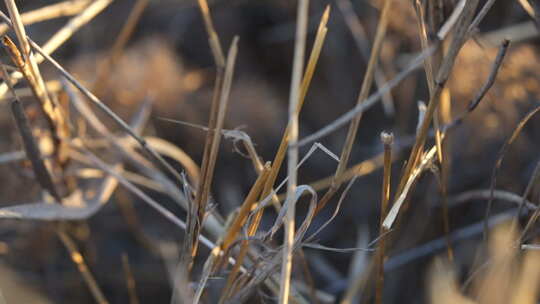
[168,58]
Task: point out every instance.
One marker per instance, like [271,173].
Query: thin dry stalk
[483,12]
[445,168]
[213,38]
[458,39]
[53,86]
[62,35]
[28,66]
[78,260]
[55,212]
[53,115]
[425,162]
[308,75]
[30,146]
[219,252]
[104,70]
[372,100]
[232,285]
[196,215]
[292,155]
[245,209]
[235,136]
[228,290]
[387,140]
[127,151]
[531,9]
[130,280]
[368,166]
[219,59]
[207,175]
[156,158]
[428,63]
[280,155]
[362,168]
[431,65]
[166,148]
[364,92]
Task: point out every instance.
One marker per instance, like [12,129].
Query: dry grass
[80,157]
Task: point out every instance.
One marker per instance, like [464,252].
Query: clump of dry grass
[87,160]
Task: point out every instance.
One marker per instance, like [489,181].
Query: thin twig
[492,75]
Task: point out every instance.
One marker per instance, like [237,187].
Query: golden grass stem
[215,260]
[246,207]
[213,37]
[215,133]
[212,137]
[446,163]
[460,35]
[292,155]
[527,7]
[280,154]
